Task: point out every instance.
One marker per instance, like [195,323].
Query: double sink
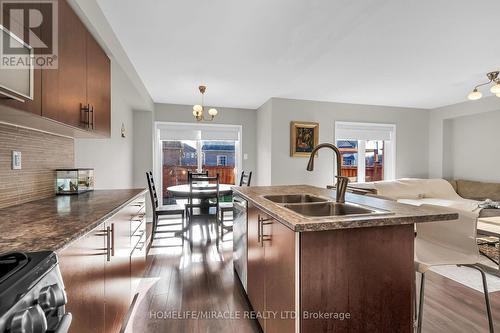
[308,205]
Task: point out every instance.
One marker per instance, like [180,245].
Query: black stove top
[19,272]
[11,263]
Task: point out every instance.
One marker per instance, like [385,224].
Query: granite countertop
[400,213]
[53,223]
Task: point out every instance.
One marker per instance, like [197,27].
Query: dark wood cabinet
[271,271]
[279,242]
[101,271]
[64,89]
[82,267]
[75,92]
[255,264]
[117,272]
[98,86]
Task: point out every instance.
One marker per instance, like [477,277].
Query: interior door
[117,271]
[99,86]
[64,88]
[256,265]
[82,268]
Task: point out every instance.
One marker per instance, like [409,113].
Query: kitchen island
[309,270]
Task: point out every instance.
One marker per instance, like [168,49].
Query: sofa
[466,192]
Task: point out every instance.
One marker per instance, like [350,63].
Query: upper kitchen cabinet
[98,87]
[78,92]
[64,89]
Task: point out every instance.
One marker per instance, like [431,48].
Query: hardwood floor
[179,282]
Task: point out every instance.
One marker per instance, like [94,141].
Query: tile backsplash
[41,154]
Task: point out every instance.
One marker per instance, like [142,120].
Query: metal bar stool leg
[486,296]
[421,303]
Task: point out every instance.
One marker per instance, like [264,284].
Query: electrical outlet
[16,160]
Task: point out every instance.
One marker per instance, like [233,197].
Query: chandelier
[199,110]
[493,78]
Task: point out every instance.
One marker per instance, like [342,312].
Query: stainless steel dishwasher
[240,238]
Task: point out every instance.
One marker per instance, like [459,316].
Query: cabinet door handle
[258,229]
[261,223]
[108,241]
[112,239]
[93,117]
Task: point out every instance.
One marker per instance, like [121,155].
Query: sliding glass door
[186,147]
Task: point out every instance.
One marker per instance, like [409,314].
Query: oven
[32,295]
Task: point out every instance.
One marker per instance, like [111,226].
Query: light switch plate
[16,160]
[245,156]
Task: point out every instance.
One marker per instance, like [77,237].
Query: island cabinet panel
[349,271]
[64,88]
[82,268]
[279,243]
[256,265]
[271,271]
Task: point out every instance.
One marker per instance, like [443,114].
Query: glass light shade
[195,113]
[198,108]
[495,89]
[498,95]
[475,95]
[212,112]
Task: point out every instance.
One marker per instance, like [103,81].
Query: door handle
[112,239]
[108,241]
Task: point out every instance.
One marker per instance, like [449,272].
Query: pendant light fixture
[199,110]
[495,89]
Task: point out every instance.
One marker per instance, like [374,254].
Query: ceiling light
[475,95]
[198,109]
[496,88]
[493,78]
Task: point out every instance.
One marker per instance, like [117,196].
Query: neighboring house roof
[347,144]
[175,145]
[217,146]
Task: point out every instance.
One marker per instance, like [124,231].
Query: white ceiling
[413,53]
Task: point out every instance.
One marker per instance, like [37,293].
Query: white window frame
[389,147]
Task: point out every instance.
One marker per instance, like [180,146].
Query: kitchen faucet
[342,181]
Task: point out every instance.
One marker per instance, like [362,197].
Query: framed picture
[303,138]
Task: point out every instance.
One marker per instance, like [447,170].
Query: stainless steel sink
[331,209]
[294,198]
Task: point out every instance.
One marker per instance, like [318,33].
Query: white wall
[231,116]
[444,126]
[411,131]
[113,158]
[471,147]
[263,149]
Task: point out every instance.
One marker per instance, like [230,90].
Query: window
[368,150]
[221,160]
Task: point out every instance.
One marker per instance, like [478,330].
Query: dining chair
[227,207]
[448,243]
[164,210]
[206,190]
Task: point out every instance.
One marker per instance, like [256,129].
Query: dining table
[182,191]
